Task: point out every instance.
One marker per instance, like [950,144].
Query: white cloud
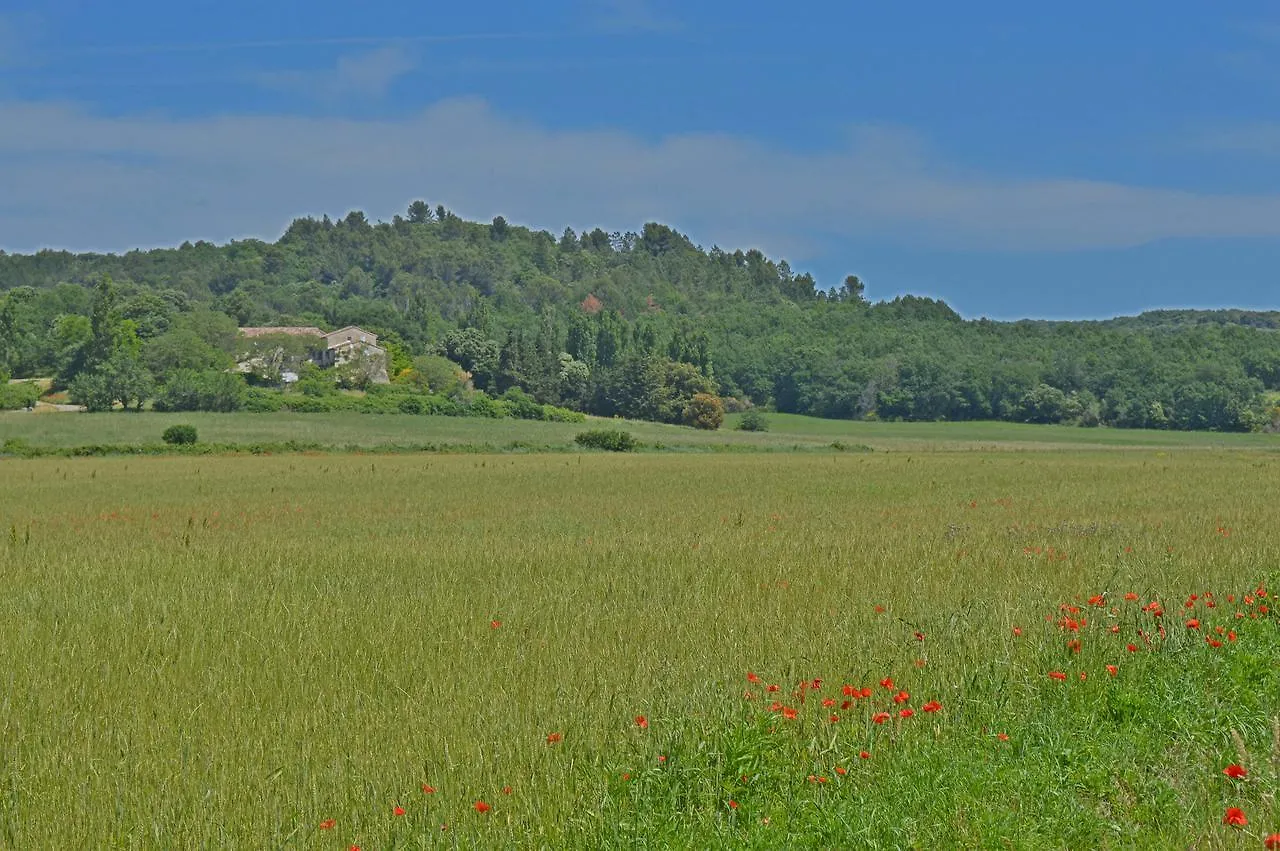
[70,178]
[361,75]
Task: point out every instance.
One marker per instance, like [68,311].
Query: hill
[610,322]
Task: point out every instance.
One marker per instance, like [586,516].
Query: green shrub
[183,435]
[753,420]
[704,411]
[14,396]
[609,439]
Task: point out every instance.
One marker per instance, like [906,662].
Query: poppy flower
[1083,676]
[1074,645]
[879,609]
[753,678]
[880,717]
[1132,648]
[776,706]
[1097,600]
[901,697]
[931,706]
[642,722]
[773,688]
[733,805]
[834,719]
[625,778]
[1235,772]
[849,691]
[494,624]
[887,682]
[866,691]
[845,704]
[506,790]
[816,684]
[789,713]
[1112,670]
[398,810]
[1272,842]
[906,713]
[328,824]
[919,636]
[482,807]
[1017,631]
[828,702]
[863,755]
[1193,624]
[1231,635]
[1004,737]
[1213,642]
[553,738]
[662,757]
[1115,629]
[1057,675]
[1235,817]
[841,771]
[428,789]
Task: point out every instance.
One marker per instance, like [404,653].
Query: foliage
[753,420]
[180,434]
[704,411]
[611,440]
[22,394]
[209,390]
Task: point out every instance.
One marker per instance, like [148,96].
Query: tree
[419,213]
[474,352]
[852,290]
[704,411]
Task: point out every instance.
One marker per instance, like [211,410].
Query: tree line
[635,324]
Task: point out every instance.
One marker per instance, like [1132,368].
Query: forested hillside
[608,323]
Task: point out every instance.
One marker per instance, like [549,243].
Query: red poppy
[428,789]
[1004,737]
[776,706]
[901,697]
[816,684]
[733,805]
[1235,772]
[879,609]
[1017,630]
[931,706]
[752,678]
[1231,635]
[845,704]
[553,738]
[355,848]
[880,717]
[1213,642]
[1115,629]
[398,810]
[887,682]
[828,702]
[642,722]
[1132,648]
[834,719]
[1272,842]
[625,778]
[1074,645]
[1235,817]
[788,713]
[841,771]
[849,691]
[1057,675]
[506,790]
[773,688]
[494,624]
[482,807]
[328,824]
[863,755]
[1097,600]
[1083,676]
[662,757]
[866,691]
[1193,624]
[1112,670]
[906,713]
[919,636]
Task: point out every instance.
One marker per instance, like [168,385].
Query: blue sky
[1015,159]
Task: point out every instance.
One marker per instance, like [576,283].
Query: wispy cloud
[360,75]
[283,43]
[215,178]
[621,16]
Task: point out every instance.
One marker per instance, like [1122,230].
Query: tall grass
[228,652]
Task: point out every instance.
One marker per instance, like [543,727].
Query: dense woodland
[633,324]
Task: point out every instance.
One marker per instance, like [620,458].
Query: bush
[704,411]
[179,435]
[609,439]
[15,396]
[753,420]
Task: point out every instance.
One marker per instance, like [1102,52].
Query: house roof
[294,330]
[350,328]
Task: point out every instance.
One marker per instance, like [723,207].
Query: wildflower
[931,706]
[733,805]
[642,722]
[328,824]
[398,810]
[1131,596]
[1132,648]
[776,706]
[1083,676]
[866,691]
[482,807]
[1213,642]
[1112,670]
[1057,675]
[879,609]
[1235,817]
[752,678]
[901,697]
[428,789]
[1193,624]
[1097,600]
[880,717]
[849,691]
[816,684]
[506,790]
[863,755]
[625,777]
[841,771]
[906,713]
[1074,645]
[834,719]
[789,713]
[1004,737]
[887,682]
[1231,635]
[494,624]
[553,738]
[1235,772]
[773,688]
[1115,629]
[1017,631]
[1272,842]
[662,757]
[919,636]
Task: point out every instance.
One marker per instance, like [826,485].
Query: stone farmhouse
[334,347]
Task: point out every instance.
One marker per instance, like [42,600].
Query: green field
[786,432]
[231,651]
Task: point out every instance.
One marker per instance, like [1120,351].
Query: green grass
[228,651]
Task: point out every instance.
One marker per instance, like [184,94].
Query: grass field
[233,651]
[786,432]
